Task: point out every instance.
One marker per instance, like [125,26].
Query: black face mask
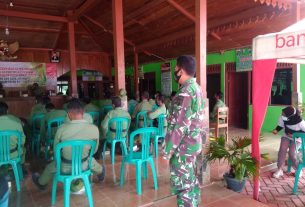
[176,76]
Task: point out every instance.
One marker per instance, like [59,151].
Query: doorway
[213,86]
[237,89]
[148,83]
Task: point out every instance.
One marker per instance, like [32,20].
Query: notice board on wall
[23,74]
[243,59]
[166,79]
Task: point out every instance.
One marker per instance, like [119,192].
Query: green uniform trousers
[50,170]
[184,182]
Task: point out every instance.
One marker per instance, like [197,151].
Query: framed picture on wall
[55,57]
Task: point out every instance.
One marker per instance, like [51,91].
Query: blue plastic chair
[289,163]
[36,124]
[95,117]
[5,154]
[105,109]
[120,133]
[77,172]
[53,123]
[301,164]
[141,116]
[160,133]
[141,158]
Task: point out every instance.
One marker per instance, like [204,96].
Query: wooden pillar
[203,168]
[201,42]
[73,74]
[136,74]
[118,38]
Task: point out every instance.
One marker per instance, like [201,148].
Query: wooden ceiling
[155,27]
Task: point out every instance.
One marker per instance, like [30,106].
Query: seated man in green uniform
[10,122]
[77,128]
[160,110]
[118,111]
[142,106]
[219,104]
[39,107]
[52,113]
[89,107]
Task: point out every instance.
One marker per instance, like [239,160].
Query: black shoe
[35,178]
[101,177]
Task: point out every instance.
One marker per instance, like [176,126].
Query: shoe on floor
[35,178]
[279,173]
[80,192]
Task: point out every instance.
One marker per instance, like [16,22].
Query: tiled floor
[111,194]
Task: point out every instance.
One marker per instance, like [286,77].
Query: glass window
[282,87]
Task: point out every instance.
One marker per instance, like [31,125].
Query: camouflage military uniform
[183,142]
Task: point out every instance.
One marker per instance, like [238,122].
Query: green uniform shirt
[53,114]
[76,129]
[218,104]
[117,112]
[86,117]
[10,122]
[143,106]
[38,109]
[160,110]
[91,107]
[105,102]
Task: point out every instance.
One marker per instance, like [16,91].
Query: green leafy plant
[237,154]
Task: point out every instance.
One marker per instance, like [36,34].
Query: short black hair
[3,108]
[87,99]
[187,63]
[219,94]
[50,106]
[75,105]
[145,94]
[116,101]
[160,98]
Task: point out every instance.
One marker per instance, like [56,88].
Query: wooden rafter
[85,7]
[131,17]
[182,10]
[28,15]
[55,43]
[129,42]
[95,39]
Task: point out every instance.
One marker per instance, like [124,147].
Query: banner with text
[243,59]
[23,74]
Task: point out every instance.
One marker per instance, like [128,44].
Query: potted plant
[242,164]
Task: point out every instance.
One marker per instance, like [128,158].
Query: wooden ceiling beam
[182,10]
[127,41]
[55,43]
[94,38]
[106,30]
[27,15]
[147,8]
[174,36]
[85,7]
[40,30]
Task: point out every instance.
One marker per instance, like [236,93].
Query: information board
[166,79]
[243,59]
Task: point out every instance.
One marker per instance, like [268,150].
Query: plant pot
[234,184]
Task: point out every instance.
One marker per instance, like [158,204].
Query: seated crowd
[78,123]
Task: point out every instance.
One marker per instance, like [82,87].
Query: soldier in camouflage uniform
[183,139]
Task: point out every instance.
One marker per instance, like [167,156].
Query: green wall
[272,115]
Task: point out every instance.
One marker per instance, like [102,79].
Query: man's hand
[274,131]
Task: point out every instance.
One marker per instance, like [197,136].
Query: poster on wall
[23,74]
[92,76]
[166,79]
[243,59]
